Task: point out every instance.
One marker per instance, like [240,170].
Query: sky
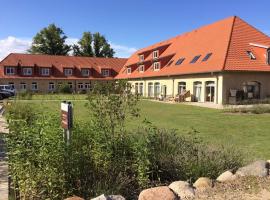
[127,25]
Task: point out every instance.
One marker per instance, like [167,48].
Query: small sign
[66,115]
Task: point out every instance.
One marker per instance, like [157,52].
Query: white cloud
[13,44]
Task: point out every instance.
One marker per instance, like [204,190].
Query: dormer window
[141,58]
[155,54]
[129,70]
[251,55]
[68,72]
[156,66]
[85,72]
[105,72]
[10,70]
[268,56]
[27,71]
[141,68]
[45,71]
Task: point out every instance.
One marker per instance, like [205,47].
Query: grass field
[249,132]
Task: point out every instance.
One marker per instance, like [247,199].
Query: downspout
[173,88]
[217,80]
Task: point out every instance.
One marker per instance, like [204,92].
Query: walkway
[3,161]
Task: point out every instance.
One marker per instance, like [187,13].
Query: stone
[115,197]
[203,183]
[157,193]
[257,168]
[182,189]
[101,197]
[226,176]
[74,198]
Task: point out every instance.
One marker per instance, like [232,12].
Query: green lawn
[248,132]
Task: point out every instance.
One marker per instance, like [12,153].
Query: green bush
[24,95]
[256,109]
[65,89]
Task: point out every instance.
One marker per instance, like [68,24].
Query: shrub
[256,109]
[64,88]
[24,95]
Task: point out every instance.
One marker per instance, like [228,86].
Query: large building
[45,73]
[223,62]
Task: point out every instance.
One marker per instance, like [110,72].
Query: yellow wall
[172,85]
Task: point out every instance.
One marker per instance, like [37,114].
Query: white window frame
[27,71]
[141,68]
[10,70]
[68,71]
[51,86]
[45,71]
[80,86]
[129,70]
[105,72]
[155,54]
[87,85]
[12,85]
[23,86]
[70,84]
[85,74]
[156,66]
[34,86]
[141,57]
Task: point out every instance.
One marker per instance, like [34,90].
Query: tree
[93,45]
[50,40]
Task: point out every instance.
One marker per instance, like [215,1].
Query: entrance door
[210,91]
[197,91]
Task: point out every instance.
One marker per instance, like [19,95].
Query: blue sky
[128,25]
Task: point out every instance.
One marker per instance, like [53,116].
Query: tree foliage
[93,45]
[50,40]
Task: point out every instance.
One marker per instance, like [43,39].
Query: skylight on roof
[251,55]
[207,57]
[180,61]
[194,60]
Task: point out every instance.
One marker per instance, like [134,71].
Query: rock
[257,168]
[101,197]
[226,176]
[157,193]
[203,183]
[74,198]
[182,189]
[110,197]
[115,197]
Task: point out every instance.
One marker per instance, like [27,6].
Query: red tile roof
[227,40]
[60,62]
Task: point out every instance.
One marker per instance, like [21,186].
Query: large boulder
[226,176]
[182,189]
[157,193]
[74,198]
[101,197]
[109,197]
[258,168]
[203,183]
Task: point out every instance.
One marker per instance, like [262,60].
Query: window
[141,58]
[181,87]
[156,66]
[136,88]
[23,86]
[34,86]
[141,68]
[251,55]
[150,90]
[45,71]
[70,85]
[155,54]
[68,72]
[180,61]
[87,85]
[141,88]
[197,91]
[80,85]
[105,72]
[129,70]
[27,71]
[194,60]
[210,91]
[10,70]
[157,89]
[51,86]
[85,72]
[207,57]
[12,85]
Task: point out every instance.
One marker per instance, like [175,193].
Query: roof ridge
[229,44]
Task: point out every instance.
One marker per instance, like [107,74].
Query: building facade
[224,62]
[44,73]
